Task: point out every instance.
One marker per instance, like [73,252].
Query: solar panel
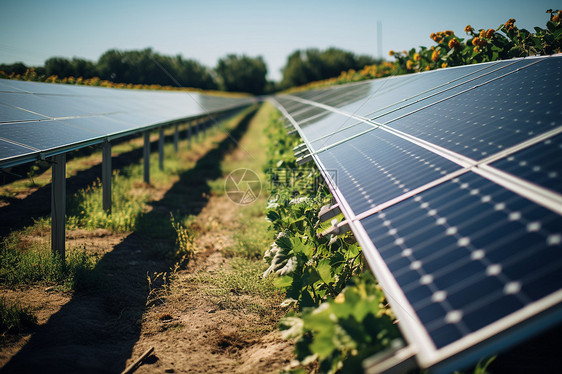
[42,117]
[450,181]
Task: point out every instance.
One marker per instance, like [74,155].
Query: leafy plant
[344,330]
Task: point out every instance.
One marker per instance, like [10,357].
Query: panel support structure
[161,148]
[58,205]
[176,137]
[146,157]
[106,176]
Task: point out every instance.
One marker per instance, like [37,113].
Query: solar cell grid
[446,245]
[471,250]
[46,135]
[398,167]
[540,164]
[494,116]
[10,150]
[347,131]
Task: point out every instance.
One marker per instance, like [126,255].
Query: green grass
[242,287]
[15,319]
[37,264]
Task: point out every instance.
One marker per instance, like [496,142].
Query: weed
[15,319]
[185,247]
[242,287]
[37,264]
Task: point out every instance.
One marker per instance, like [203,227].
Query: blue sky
[205,30]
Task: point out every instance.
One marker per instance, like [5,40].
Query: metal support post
[106,176]
[146,157]
[161,148]
[58,205]
[176,137]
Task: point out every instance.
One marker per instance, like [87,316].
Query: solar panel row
[41,117]
[451,181]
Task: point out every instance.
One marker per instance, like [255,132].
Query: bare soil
[136,300]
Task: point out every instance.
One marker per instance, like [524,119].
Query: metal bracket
[395,360]
[299,147]
[304,159]
[328,211]
[302,153]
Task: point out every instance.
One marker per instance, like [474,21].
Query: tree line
[235,73]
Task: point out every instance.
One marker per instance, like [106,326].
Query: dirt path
[116,316]
[191,333]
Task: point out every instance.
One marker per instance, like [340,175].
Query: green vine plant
[338,315]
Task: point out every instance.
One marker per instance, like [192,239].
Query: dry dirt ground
[130,307]
[191,333]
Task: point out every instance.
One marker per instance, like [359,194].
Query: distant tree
[190,73]
[83,68]
[148,67]
[242,74]
[312,65]
[16,68]
[59,66]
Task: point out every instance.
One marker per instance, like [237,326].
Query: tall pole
[58,205]
[106,176]
[161,148]
[146,157]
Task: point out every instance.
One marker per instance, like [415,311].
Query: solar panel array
[451,180]
[43,119]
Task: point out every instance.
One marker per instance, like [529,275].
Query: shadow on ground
[96,331]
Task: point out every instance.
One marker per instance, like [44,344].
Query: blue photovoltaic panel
[467,253]
[308,112]
[46,135]
[325,125]
[8,149]
[11,114]
[455,195]
[46,116]
[540,164]
[346,131]
[446,91]
[399,167]
[105,125]
[499,114]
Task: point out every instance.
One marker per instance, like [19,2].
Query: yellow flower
[468,29]
[476,41]
[482,33]
[391,53]
[449,32]
[427,68]
[435,56]
[409,64]
[444,65]
[476,49]
[490,33]
[417,57]
[454,43]
[509,25]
